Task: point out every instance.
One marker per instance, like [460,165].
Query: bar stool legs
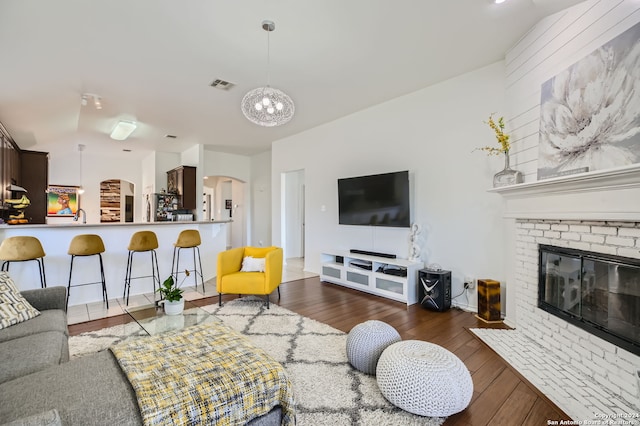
[197,268]
[102,281]
[142,241]
[87,245]
[155,274]
[188,239]
[43,276]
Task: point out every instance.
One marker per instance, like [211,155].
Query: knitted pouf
[366,342]
[424,379]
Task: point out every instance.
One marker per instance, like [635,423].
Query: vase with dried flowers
[507,176]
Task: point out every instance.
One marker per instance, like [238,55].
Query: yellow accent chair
[232,279]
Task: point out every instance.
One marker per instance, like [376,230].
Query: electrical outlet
[469,283]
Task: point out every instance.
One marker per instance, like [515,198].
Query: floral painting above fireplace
[590,112]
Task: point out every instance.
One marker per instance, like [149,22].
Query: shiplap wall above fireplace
[550,47]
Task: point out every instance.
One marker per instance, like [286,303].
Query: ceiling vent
[221,84]
[170,136]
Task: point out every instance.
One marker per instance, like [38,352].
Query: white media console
[363,272]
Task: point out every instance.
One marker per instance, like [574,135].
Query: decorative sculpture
[414,245]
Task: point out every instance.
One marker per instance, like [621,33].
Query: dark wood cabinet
[34,177]
[182,181]
[10,163]
[28,169]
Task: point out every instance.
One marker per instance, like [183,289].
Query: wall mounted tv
[375,200]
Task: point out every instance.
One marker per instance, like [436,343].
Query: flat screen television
[375,200]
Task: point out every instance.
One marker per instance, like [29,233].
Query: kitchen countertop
[112,224]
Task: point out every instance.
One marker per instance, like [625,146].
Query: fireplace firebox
[599,293]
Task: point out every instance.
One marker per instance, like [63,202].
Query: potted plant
[172,295]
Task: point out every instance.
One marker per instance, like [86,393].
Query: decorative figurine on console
[414,244]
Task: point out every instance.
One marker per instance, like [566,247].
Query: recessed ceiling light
[499,1]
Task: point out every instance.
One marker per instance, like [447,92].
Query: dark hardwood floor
[501,396]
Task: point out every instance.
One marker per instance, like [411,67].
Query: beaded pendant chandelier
[267,106]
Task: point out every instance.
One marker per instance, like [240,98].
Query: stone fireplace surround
[586,376]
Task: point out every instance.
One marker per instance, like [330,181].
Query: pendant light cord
[268,57]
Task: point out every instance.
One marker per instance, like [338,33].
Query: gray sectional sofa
[39,387]
[40,342]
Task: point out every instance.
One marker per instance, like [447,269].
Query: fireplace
[597,292]
[594,212]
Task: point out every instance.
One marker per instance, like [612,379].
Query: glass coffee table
[154,321]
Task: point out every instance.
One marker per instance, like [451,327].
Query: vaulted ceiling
[153,61]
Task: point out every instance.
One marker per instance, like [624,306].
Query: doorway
[224,198]
[116,201]
[293,214]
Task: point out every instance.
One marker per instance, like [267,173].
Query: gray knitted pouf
[424,379]
[365,344]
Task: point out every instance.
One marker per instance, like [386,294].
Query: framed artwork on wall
[62,200]
[590,112]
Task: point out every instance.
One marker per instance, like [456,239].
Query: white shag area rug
[327,389]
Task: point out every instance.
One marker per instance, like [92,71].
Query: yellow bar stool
[87,245]
[142,241]
[23,249]
[187,239]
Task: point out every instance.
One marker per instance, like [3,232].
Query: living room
[434,133]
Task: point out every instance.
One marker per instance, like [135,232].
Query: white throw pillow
[14,308]
[252,264]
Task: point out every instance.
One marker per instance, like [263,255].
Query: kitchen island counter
[55,239]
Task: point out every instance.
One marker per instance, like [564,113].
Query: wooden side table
[489,300]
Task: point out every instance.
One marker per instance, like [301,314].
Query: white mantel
[610,195]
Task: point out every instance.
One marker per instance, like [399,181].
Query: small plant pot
[174,308]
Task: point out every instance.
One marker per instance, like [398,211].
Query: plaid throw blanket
[205,374]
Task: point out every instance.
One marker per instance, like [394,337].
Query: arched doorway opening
[116,201]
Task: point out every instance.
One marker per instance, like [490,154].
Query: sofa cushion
[32,353]
[14,308]
[52,320]
[244,283]
[91,390]
[252,264]
[48,418]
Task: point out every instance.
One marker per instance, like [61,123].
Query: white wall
[431,133]
[96,168]
[237,167]
[260,225]
[223,164]
[292,212]
[164,161]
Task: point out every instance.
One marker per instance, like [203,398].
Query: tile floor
[293,270]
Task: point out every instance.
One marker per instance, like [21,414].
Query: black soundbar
[373,253]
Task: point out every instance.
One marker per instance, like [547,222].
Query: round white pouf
[424,379]
[366,342]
